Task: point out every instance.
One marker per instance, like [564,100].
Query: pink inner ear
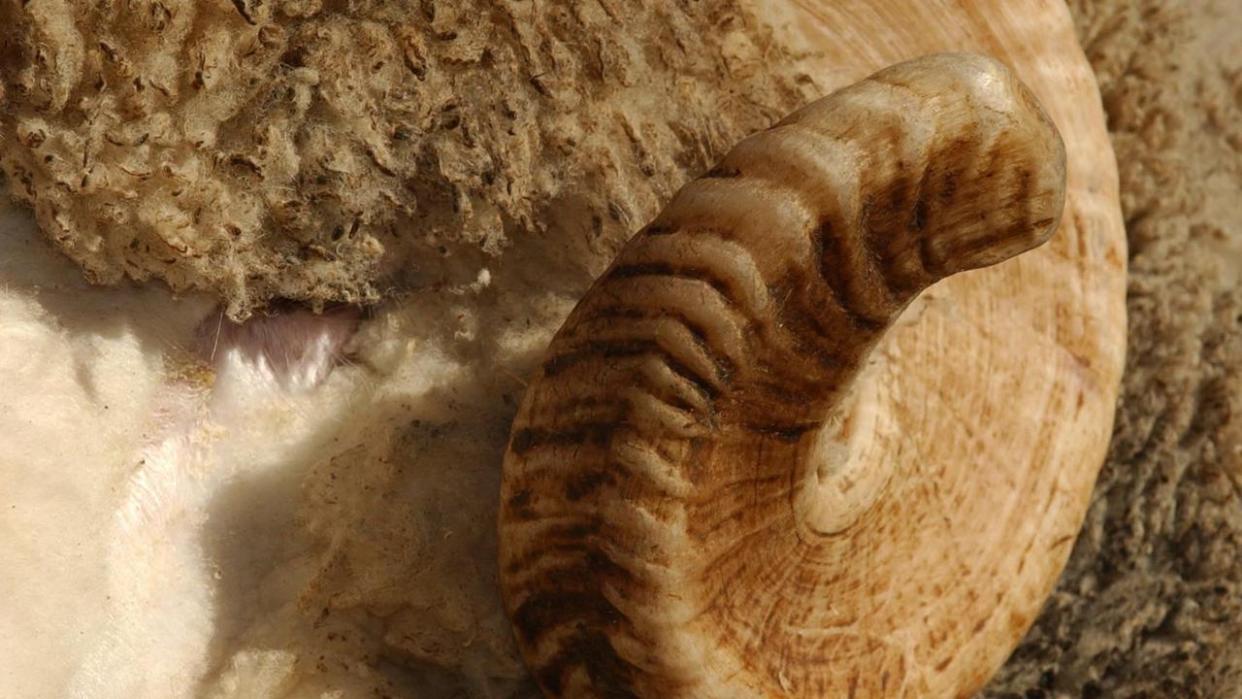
[297,347]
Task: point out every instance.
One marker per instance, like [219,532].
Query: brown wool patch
[333,151]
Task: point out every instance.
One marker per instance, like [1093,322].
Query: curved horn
[667,528]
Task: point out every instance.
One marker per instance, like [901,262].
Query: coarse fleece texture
[292,507]
[1150,604]
[188,514]
[336,151]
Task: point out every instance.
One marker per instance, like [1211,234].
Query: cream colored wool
[265,523]
[250,526]
[199,510]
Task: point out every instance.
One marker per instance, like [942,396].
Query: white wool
[308,514]
[76,409]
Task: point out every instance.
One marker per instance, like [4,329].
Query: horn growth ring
[695,503]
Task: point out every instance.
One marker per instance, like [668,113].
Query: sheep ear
[700,497]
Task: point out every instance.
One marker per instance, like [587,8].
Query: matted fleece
[303,508]
[337,151]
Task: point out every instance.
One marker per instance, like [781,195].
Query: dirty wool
[302,506]
[1150,604]
[337,151]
